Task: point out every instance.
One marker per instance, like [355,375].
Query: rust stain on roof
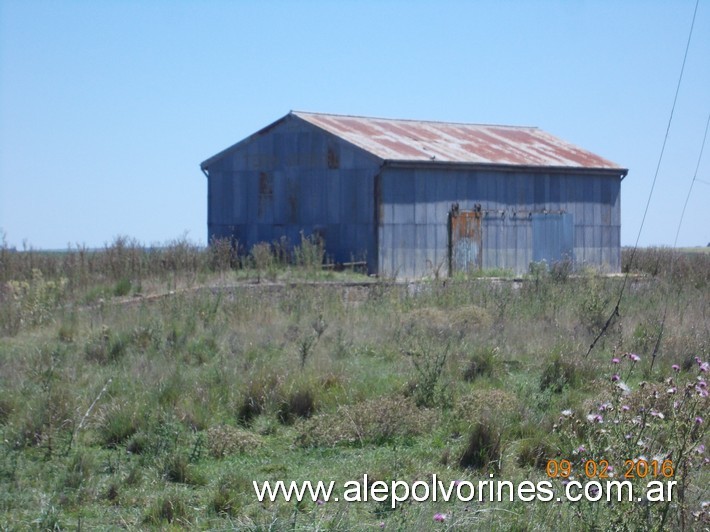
[410,140]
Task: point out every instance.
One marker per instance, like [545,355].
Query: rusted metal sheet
[410,140]
[465,242]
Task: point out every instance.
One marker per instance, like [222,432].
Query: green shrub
[310,254]
[298,404]
[483,363]
[107,346]
[483,448]
[169,508]
[177,468]
[117,424]
[562,372]
[122,287]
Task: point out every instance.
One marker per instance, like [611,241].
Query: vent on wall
[333,158]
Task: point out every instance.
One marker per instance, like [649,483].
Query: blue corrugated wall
[293,177]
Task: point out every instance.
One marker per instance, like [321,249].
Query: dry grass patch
[374,421]
[225,440]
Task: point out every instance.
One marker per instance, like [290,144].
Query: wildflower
[656,413]
[698,420]
[382,524]
[702,384]
[703,393]
[567,413]
[700,449]
[320,502]
[625,408]
[615,360]
[634,357]
[615,377]
[705,367]
[672,390]
[580,449]
[675,368]
[625,390]
[457,483]
[439,518]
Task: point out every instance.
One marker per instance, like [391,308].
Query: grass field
[148,388]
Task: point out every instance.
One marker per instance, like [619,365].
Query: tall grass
[120,411]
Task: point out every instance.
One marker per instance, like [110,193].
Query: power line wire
[615,312]
[661,329]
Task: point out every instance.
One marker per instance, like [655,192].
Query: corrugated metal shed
[417,198]
[410,140]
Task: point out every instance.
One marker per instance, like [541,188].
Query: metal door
[465,242]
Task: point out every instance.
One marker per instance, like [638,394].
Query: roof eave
[402,163]
[204,165]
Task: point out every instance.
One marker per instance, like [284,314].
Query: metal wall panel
[290,178]
[581,204]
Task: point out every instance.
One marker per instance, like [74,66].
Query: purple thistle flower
[705,367]
[439,518]
[320,502]
[615,360]
[702,384]
[675,368]
[625,408]
[615,377]
[698,420]
[634,357]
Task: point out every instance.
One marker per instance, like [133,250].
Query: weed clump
[561,373]
[298,404]
[170,508]
[373,421]
[483,363]
[483,448]
[117,424]
[224,440]
[177,468]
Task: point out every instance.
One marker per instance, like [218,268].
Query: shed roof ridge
[414,120]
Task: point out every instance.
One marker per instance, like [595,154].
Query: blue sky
[107,108]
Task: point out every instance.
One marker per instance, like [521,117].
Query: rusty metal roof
[420,141]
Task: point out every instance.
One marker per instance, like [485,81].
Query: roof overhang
[621,173]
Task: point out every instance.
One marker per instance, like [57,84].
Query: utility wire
[695,178]
[657,345]
[615,312]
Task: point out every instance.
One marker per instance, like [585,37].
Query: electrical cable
[657,345]
[615,312]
